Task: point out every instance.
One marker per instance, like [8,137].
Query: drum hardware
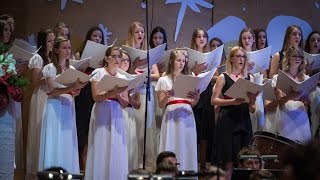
[262,158]
[271,143]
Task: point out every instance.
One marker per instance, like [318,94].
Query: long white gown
[107,157]
[178,130]
[290,120]
[58,142]
[37,104]
[132,140]
[151,149]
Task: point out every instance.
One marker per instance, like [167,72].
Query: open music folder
[96,51]
[186,83]
[140,87]
[313,59]
[242,86]
[285,83]
[24,45]
[20,55]
[70,76]
[261,58]
[213,58]
[108,82]
[80,64]
[155,54]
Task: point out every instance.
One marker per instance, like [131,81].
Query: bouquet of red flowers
[11,83]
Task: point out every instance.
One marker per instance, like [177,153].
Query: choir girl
[291,118]
[292,37]
[178,129]
[58,142]
[84,101]
[129,118]
[107,156]
[203,110]
[137,39]
[313,47]
[233,129]
[45,41]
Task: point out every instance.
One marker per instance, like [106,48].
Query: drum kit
[271,147]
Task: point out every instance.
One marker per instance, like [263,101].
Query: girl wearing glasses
[233,129]
[292,37]
[291,118]
[129,118]
[107,143]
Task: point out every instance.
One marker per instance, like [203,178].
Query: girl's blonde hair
[130,42]
[229,67]
[173,56]
[294,51]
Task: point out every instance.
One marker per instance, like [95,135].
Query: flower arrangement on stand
[11,84]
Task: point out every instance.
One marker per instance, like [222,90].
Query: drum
[271,144]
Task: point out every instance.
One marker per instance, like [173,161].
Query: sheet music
[261,58]
[312,58]
[155,54]
[185,83]
[96,51]
[240,88]
[285,83]
[213,58]
[80,64]
[70,76]
[108,82]
[140,87]
[19,54]
[24,45]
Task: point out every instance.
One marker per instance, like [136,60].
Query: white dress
[290,120]
[178,130]
[107,157]
[37,104]
[151,149]
[58,142]
[131,131]
[258,117]
[315,110]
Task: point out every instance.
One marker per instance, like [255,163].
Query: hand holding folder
[184,84]
[71,76]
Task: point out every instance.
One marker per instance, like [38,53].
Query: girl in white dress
[130,120]
[107,156]
[313,47]
[291,118]
[137,39]
[178,129]
[58,143]
[38,100]
[247,42]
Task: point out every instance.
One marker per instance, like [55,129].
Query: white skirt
[179,135]
[107,156]
[58,143]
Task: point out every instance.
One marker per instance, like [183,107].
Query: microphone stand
[147,89]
